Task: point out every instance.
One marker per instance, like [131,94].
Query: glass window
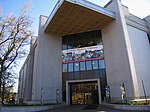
[96,73]
[70,47]
[95,64]
[64,67]
[82,66]
[76,66]
[101,64]
[91,38]
[70,75]
[90,74]
[88,65]
[102,73]
[77,75]
[64,47]
[70,67]
[83,75]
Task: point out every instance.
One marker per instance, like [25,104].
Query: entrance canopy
[76,16]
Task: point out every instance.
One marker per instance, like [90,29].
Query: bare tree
[15,34]
[8,81]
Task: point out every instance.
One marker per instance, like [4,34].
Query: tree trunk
[0,83]
[1,86]
[3,94]
[1,74]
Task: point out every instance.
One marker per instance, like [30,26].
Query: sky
[139,8]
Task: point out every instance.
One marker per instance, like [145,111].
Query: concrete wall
[138,30]
[26,76]
[48,65]
[120,67]
[141,53]
[30,65]
[22,81]
[147,19]
[20,84]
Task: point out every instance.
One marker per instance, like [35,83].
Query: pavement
[80,108]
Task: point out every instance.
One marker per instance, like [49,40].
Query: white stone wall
[48,65]
[118,55]
[22,81]
[26,76]
[147,19]
[141,53]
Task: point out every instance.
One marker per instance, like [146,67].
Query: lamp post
[41,96]
[57,96]
[144,91]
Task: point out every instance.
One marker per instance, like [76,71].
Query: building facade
[86,54]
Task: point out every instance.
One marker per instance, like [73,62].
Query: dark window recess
[83,75]
[80,40]
[76,75]
[148,38]
[70,75]
[96,74]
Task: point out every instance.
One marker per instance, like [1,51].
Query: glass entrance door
[77,98]
[84,93]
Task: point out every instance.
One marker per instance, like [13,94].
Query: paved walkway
[79,108]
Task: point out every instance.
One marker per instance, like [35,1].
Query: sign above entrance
[82,54]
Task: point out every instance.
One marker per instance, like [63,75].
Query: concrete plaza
[80,108]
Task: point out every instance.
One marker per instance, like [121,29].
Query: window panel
[88,65]
[70,75]
[64,67]
[96,73]
[70,67]
[77,75]
[95,64]
[83,75]
[82,39]
[64,47]
[70,47]
[76,66]
[102,73]
[90,74]
[82,66]
[101,64]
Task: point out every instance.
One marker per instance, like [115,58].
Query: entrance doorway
[84,93]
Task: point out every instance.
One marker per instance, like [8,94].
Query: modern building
[85,54]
